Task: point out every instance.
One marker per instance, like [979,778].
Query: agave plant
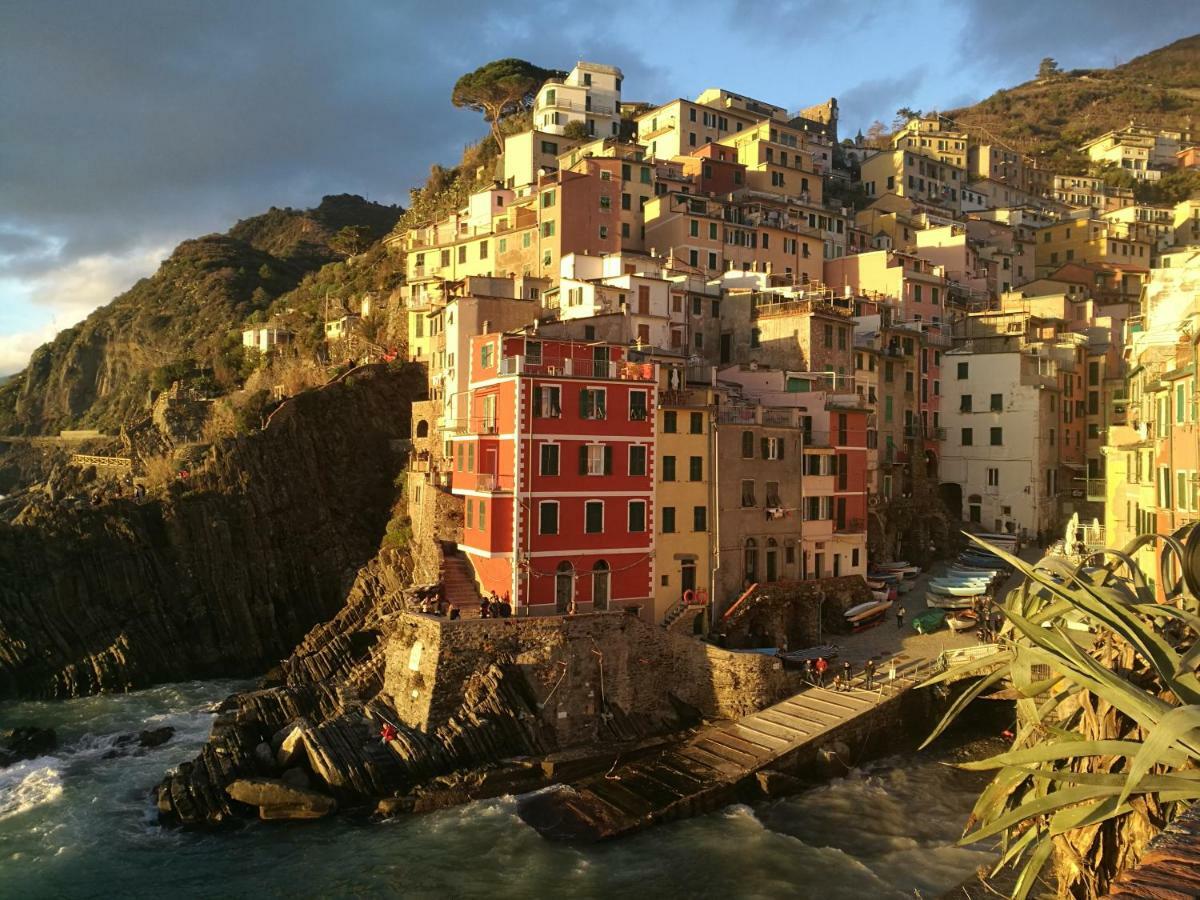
[1106,748]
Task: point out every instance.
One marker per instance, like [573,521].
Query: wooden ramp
[703,773]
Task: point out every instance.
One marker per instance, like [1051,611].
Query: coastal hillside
[217,574]
[1052,116]
[182,320]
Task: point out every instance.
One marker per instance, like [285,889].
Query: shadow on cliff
[224,573]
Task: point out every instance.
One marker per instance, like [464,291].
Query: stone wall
[784,614]
[582,670]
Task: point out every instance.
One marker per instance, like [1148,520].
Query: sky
[130,125]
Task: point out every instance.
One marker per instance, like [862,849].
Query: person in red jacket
[821,666]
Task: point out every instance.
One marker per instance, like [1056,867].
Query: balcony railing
[487,481]
[619,370]
[1094,489]
[850,526]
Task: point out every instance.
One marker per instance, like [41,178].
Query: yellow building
[679,127]
[777,160]
[1092,241]
[684,485]
[907,173]
[932,139]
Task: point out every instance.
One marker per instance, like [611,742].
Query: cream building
[590,95]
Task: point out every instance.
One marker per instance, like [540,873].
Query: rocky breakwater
[216,575]
[471,708]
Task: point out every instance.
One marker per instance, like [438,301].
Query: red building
[555,464]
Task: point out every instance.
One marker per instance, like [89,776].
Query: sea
[81,822]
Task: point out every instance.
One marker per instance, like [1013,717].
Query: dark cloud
[878,98]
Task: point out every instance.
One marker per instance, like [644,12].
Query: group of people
[434,603]
[495,607]
[816,673]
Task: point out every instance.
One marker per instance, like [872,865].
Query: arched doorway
[564,586]
[772,560]
[601,585]
[751,561]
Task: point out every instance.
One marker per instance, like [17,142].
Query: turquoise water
[77,825]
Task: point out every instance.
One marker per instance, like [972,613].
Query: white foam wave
[29,784]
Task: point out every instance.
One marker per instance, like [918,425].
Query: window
[669,421]
[699,518]
[605,201]
[668,468]
[637,406]
[962,370]
[968,437]
[593,517]
[993,477]
[997,437]
[772,448]
[595,459]
[548,517]
[772,498]
[483,249]
[549,461]
[547,199]
[591,403]
[828,335]
[487,355]
[666,515]
[748,492]
[547,401]
[755,335]
[549,146]
[637,459]
[997,402]
[482,514]
[637,516]
[470,517]
[964,403]
[697,423]
[696,468]
[747,445]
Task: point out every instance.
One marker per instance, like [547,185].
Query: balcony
[489,482]
[818,485]
[621,370]
[850,526]
[1094,489]
[817,529]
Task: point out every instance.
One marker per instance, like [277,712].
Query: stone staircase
[704,773]
[458,578]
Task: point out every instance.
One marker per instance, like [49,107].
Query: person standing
[869,672]
[892,676]
[821,666]
[808,671]
[900,616]
[847,673]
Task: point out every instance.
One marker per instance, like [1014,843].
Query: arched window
[564,586]
[422,429]
[772,560]
[751,560]
[601,585]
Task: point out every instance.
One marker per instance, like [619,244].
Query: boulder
[264,756]
[778,784]
[291,745]
[25,742]
[155,737]
[276,799]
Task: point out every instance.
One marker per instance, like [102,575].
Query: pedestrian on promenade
[808,672]
[892,675]
[821,666]
[847,673]
[869,671]
[900,616]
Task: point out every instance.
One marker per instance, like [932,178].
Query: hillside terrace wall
[573,666]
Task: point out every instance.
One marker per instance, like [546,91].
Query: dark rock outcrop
[25,742]
[219,575]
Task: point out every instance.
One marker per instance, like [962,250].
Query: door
[772,564]
[599,362]
[726,348]
[643,299]
[601,585]
[564,587]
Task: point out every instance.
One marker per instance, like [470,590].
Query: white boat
[905,570]
[866,610]
[969,590]
[957,572]
[941,601]
[962,620]
[982,583]
[881,595]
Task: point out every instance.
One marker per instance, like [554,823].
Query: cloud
[41,306]
[878,98]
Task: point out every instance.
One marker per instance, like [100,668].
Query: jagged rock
[25,742]
[276,799]
[155,737]
[778,784]
[289,746]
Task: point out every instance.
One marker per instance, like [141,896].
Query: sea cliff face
[221,574]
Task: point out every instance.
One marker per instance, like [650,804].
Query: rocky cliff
[184,317]
[217,575]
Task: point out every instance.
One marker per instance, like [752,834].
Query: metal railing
[615,370]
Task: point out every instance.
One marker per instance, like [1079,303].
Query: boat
[865,610]
[946,601]
[966,590]
[928,621]
[881,595]
[963,620]
[905,570]
[959,572]
[875,584]
[904,587]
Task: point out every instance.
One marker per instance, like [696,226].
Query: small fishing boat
[959,572]
[964,620]
[881,595]
[946,601]
[966,590]
[865,610]
[928,621]
[875,584]
[905,570]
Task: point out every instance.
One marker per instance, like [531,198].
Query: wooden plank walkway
[703,773]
